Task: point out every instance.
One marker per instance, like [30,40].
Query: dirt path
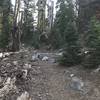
[56,83]
[49,81]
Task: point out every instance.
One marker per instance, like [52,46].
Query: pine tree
[5,17]
[65,32]
[28,25]
[64,29]
[92,43]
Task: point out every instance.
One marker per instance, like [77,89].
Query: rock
[5,59]
[1,55]
[0,79]
[59,54]
[35,57]
[24,96]
[15,63]
[77,84]
[21,74]
[8,86]
[45,58]
[40,56]
[97,70]
[27,66]
[25,72]
[52,60]
[8,65]
[86,52]
[71,75]
[6,54]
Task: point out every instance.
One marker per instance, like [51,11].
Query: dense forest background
[75,30]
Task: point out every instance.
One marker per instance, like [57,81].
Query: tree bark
[15,30]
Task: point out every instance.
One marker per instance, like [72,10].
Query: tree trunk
[15,30]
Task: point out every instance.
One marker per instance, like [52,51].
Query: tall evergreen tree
[66,32]
[5,11]
[92,43]
[28,25]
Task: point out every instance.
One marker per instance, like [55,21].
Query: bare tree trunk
[15,30]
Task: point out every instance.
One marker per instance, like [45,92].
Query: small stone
[86,52]
[47,93]
[45,58]
[25,72]
[24,96]
[1,55]
[15,63]
[77,84]
[39,95]
[60,54]
[52,60]
[8,65]
[27,66]
[6,54]
[39,67]
[34,58]
[71,75]
[5,59]
[97,70]
[0,79]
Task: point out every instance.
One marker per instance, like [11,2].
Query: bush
[92,59]
[71,57]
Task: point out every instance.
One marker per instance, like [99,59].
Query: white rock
[86,52]
[6,54]
[97,70]
[1,55]
[71,75]
[0,79]
[35,57]
[77,84]
[45,58]
[24,96]
[8,85]
[15,63]
[27,66]
[25,72]
[60,54]
[8,64]
[5,59]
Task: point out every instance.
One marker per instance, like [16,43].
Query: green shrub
[71,57]
[92,59]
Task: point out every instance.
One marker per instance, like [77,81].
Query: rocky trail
[35,75]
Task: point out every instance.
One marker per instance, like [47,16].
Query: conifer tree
[92,43]
[5,17]
[65,32]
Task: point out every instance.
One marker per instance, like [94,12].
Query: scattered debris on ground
[35,75]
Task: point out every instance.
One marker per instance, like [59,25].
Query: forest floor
[45,79]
